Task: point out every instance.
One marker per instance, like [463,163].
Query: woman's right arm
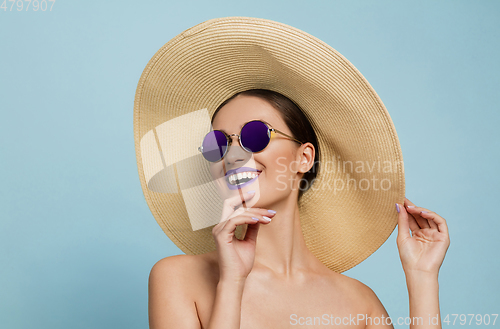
[171,305]
[170,302]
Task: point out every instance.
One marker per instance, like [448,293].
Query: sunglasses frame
[229,140]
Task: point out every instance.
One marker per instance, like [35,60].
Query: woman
[271,279]
[245,280]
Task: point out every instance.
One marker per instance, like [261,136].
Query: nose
[236,153]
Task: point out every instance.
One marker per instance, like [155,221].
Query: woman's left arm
[422,254]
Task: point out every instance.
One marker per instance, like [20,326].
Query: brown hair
[296,121]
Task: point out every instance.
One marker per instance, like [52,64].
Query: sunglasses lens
[214,146]
[255,136]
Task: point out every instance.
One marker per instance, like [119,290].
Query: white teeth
[239,176]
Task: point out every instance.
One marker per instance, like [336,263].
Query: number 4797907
[468,319]
[25,5]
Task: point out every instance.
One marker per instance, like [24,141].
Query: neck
[281,248]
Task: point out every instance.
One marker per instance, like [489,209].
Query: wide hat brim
[191,75]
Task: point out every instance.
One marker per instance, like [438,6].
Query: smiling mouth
[241,178]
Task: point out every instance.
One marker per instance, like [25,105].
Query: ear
[305,157]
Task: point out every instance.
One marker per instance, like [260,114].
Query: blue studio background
[77,239]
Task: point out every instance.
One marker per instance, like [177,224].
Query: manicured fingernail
[266,218]
[272,211]
[255,218]
[424,211]
[410,207]
[250,192]
[397,207]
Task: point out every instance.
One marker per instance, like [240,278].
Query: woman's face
[276,166]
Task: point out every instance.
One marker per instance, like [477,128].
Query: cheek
[281,163]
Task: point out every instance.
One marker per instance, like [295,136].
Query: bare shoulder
[357,286]
[175,284]
[181,264]
[372,305]
[185,270]
[358,292]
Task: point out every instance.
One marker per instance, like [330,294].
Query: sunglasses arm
[282,133]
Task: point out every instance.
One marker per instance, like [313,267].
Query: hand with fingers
[236,257]
[423,250]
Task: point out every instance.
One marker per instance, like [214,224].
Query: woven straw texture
[208,63]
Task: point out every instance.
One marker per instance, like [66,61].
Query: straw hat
[349,211]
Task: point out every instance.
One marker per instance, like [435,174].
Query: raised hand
[425,248]
[236,257]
